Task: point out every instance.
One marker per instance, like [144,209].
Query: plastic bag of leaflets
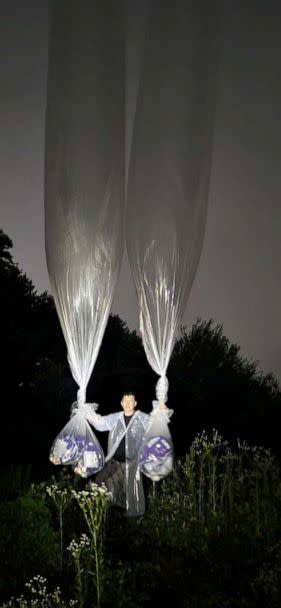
[156,454]
[77,445]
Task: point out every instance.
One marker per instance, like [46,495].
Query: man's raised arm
[100,423]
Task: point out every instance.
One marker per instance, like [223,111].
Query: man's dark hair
[128,393]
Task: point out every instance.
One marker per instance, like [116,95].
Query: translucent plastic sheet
[169,170]
[84,172]
[133,433]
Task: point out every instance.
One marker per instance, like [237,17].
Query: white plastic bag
[169,171]
[156,455]
[84,193]
[77,445]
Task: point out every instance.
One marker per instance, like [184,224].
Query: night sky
[238,279]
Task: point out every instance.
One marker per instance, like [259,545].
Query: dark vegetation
[211,536]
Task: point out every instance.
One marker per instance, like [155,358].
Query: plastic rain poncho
[134,433]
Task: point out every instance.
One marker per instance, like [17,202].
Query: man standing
[121,473]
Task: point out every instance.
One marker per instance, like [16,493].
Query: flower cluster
[41,598]
[94,493]
[202,442]
[76,548]
[60,496]
[54,490]
[94,504]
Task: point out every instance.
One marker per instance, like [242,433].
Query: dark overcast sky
[238,279]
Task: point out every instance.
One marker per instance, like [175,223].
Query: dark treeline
[211,384]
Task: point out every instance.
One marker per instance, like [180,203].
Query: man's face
[128,404]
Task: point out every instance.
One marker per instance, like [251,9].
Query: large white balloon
[169,170]
[84,172]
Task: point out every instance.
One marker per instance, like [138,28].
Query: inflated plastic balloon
[84,173]
[169,170]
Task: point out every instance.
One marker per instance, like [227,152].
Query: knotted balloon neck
[81,396]
[162,387]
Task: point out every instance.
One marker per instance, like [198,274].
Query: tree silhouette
[30,334]
[5,245]
[214,386]
[211,384]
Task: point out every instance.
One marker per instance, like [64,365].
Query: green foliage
[216,492]
[267,583]
[94,503]
[130,584]
[28,543]
[30,334]
[213,525]
[39,596]
[15,481]
[211,536]
[212,384]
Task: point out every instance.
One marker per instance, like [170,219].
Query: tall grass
[215,489]
[221,503]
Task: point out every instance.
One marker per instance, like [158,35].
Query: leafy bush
[28,543]
[15,481]
[216,492]
[267,583]
[211,536]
